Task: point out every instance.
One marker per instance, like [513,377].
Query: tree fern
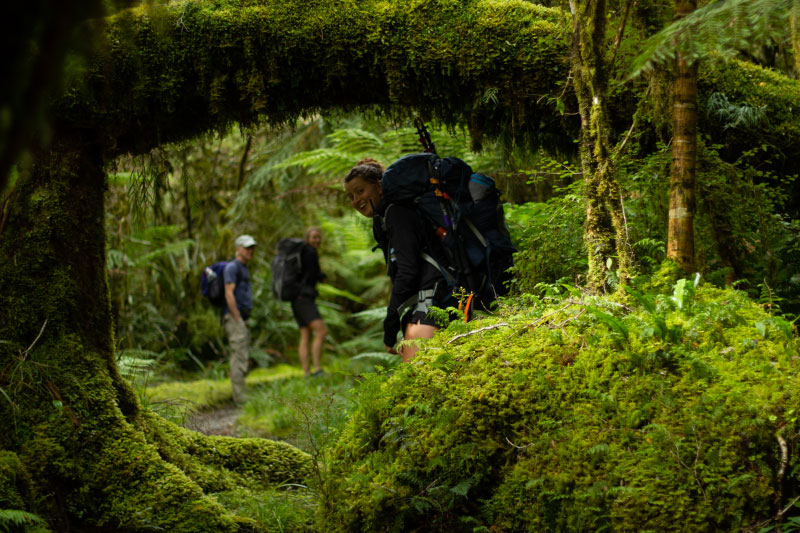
[724,27]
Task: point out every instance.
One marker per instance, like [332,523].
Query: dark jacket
[403,235]
[311,271]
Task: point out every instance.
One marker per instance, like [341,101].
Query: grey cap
[245,241]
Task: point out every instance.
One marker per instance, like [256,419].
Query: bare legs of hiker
[415,331]
[317,327]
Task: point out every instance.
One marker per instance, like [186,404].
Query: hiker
[304,307]
[400,233]
[239,303]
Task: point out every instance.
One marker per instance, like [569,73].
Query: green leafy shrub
[549,237]
[581,415]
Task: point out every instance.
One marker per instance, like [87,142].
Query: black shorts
[422,317]
[305,311]
[418,317]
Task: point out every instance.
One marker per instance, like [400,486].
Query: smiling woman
[363,186]
[416,283]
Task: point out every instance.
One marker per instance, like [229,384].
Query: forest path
[220,421]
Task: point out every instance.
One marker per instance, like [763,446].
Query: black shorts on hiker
[305,311]
[418,317]
[422,317]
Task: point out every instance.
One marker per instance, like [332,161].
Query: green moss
[171,73]
[204,393]
[14,482]
[755,86]
[222,463]
[568,420]
[665,277]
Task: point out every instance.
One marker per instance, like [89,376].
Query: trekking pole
[425,138]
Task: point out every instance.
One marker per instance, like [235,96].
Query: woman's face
[314,239]
[364,195]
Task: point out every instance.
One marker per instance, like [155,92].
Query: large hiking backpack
[212,285]
[287,269]
[466,215]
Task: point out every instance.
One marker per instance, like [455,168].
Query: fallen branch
[518,447]
[473,332]
[39,336]
[570,303]
[570,319]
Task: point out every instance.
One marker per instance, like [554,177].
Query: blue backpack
[466,216]
[212,285]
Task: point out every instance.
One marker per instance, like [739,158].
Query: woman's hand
[390,349]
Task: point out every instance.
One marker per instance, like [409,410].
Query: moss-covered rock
[584,416]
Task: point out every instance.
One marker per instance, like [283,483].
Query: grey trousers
[239,340]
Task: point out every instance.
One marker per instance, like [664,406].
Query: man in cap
[239,300]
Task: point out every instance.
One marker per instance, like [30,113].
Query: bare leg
[415,331]
[319,329]
[302,349]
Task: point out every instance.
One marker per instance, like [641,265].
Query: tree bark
[95,457]
[680,233]
[605,235]
[794,23]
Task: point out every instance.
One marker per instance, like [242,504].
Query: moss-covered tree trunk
[680,232]
[794,21]
[94,459]
[605,236]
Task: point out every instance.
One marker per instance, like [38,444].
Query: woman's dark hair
[368,169]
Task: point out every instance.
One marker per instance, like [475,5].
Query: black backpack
[211,284]
[287,269]
[466,216]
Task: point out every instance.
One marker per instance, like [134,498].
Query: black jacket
[403,235]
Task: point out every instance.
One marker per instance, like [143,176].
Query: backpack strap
[447,276]
[476,232]
[422,301]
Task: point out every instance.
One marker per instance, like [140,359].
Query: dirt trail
[220,421]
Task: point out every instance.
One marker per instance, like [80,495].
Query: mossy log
[162,75]
[165,74]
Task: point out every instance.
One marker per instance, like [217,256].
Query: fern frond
[735,116]
[17,518]
[723,27]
